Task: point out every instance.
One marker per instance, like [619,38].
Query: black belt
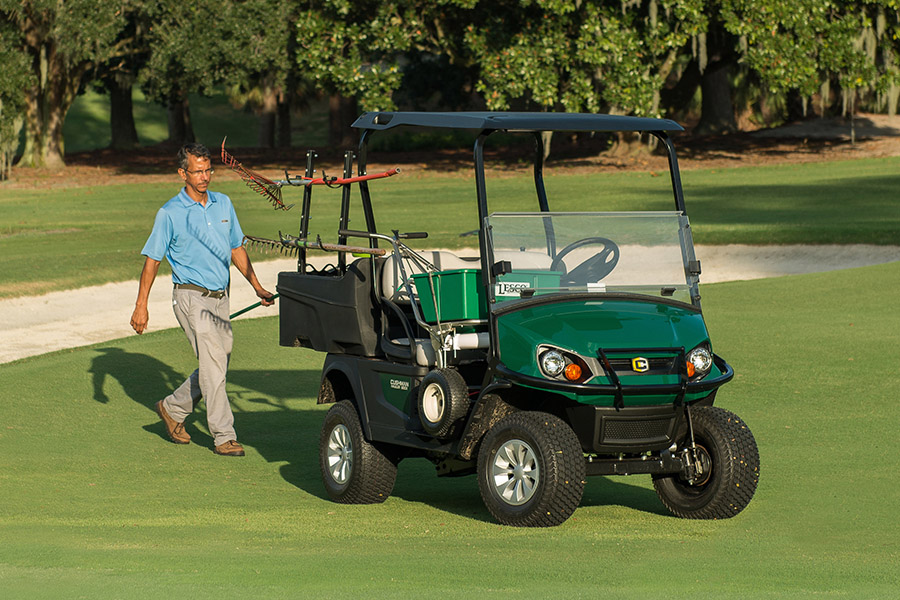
[202,290]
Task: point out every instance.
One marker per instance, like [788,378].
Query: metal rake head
[267,245]
[255,181]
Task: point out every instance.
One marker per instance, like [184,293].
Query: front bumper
[620,428]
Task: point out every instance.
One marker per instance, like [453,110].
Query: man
[197,231]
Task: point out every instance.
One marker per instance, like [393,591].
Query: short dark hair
[198,150]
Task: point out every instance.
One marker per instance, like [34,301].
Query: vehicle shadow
[267,420]
[417,482]
[615,491]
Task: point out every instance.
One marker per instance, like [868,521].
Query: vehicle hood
[584,326]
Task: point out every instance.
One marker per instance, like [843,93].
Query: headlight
[552,363]
[699,361]
[563,365]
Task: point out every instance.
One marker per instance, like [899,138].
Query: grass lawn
[54,239]
[98,504]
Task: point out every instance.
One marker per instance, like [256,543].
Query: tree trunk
[123,133]
[284,124]
[9,142]
[341,113]
[47,103]
[267,117]
[717,106]
[181,131]
[678,96]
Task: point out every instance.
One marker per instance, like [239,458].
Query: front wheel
[729,469]
[353,470]
[531,470]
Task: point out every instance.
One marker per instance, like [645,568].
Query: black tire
[531,448]
[442,401]
[353,470]
[728,449]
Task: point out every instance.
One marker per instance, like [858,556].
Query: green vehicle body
[585,326]
[573,344]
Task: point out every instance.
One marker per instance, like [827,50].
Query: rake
[272,189]
[290,245]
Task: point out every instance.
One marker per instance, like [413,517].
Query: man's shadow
[280,433]
[143,378]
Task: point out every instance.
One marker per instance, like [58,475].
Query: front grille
[658,366]
[619,431]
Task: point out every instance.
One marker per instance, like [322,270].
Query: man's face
[197,175]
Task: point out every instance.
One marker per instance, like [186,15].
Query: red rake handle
[348,180]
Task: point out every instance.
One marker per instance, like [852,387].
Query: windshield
[633,252]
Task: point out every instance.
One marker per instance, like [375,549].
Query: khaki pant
[206,324]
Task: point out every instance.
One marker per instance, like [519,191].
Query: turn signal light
[691,369]
[573,372]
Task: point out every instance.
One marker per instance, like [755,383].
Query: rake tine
[256,182]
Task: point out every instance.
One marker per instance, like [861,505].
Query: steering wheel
[593,269]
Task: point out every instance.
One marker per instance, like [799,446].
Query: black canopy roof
[514,121]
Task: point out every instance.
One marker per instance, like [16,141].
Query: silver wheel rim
[340,454]
[515,473]
[433,403]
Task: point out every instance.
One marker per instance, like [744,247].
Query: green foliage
[352,48]
[62,41]
[580,56]
[793,44]
[574,55]
[197,46]
[187,51]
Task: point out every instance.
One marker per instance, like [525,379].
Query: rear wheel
[531,470]
[728,474]
[353,470]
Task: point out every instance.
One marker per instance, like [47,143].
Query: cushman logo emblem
[640,364]
[398,384]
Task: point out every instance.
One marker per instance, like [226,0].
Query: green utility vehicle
[573,344]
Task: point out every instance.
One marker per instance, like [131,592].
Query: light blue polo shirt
[197,240]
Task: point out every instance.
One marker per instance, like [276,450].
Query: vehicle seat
[424,356]
[539,261]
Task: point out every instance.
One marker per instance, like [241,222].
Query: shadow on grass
[290,437]
[417,482]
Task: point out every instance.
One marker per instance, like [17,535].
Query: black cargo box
[330,313]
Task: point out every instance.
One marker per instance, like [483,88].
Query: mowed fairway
[96,503]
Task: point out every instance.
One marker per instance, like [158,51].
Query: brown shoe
[230,448]
[175,430]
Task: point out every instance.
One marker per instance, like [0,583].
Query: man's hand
[141,315]
[139,319]
[265,297]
